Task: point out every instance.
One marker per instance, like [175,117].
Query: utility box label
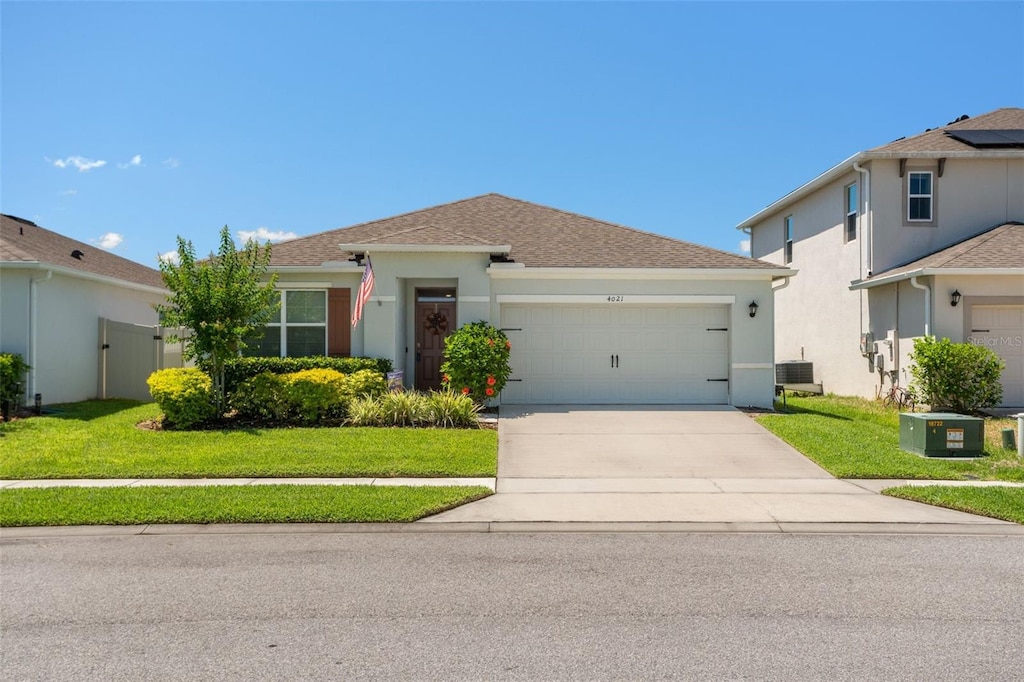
[955,439]
[935,423]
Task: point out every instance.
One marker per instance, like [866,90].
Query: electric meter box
[942,434]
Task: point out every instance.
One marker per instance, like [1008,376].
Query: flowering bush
[476,361]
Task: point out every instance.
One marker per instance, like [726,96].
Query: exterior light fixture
[954,298]
[753,308]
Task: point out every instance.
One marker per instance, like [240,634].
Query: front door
[435,320]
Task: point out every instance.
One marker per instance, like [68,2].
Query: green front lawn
[229,504]
[858,438]
[999,503]
[100,439]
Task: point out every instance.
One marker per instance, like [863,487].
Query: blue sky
[677,118]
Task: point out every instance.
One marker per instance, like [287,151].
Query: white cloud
[171,162]
[135,161]
[745,246]
[262,234]
[169,257]
[68,192]
[108,241]
[80,162]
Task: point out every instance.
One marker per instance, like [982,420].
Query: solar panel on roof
[990,138]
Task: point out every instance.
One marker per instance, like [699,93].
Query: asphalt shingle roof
[24,241]
[936,140]
[539,236]
[1001,246]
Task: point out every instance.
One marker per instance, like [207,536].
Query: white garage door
[1000,328]
[640,354]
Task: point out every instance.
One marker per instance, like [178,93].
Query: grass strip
[996,502]
[100,439]
[858,438]
[68,506]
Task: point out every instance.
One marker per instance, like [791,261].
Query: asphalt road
[516,607]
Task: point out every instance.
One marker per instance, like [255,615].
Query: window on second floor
[788,239]
[919,196]
[851,212]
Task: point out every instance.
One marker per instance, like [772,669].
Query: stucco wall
[66,367]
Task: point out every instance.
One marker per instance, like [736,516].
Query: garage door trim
[615,298]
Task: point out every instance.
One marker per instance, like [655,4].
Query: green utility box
[942,434]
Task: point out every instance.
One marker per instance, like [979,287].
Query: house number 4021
[616,299]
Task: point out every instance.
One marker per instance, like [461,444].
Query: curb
[994,529]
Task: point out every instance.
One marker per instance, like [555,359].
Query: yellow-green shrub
[315,394]
[365,382]
[184,395]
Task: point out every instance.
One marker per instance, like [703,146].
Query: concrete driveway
[712,466]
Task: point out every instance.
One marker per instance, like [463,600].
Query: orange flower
[465,390]
[491,381]
[489,391]
[490,342]
[445,378]
[508,344]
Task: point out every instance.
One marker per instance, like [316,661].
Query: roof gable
[24,241]
[540,236]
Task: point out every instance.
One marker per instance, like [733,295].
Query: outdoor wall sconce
[753,308]
[954,298]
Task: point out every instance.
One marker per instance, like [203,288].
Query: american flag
[365,288]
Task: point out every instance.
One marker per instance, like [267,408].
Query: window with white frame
[297,329]
[919,196]
[851,212]
[787,227]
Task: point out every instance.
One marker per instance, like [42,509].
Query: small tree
[220,301]
[476,361]
[956,377]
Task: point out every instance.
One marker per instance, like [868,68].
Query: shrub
[365,382]
[315,394]
[955,377]
[12,379]
[365,411]
[476,361]
[262,397]
[409,408]
[238,370]
[184,395]
[452,410]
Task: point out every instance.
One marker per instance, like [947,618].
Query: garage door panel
[1001,330]
[665,354]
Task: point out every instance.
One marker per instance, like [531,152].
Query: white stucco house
[919,236]
[596,312]
[54,292]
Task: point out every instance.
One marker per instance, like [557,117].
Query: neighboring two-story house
[921,236]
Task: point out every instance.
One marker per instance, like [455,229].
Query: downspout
[870,232]
[927,304]
[33,333]
[868,250]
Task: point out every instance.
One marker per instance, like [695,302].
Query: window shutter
[339,327]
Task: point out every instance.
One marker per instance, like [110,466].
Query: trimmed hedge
[184,395]
[309,396]
[238,370]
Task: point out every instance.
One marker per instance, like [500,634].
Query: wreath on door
[436,323]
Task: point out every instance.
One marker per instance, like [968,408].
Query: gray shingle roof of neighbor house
[539,236]
[22,241]
[934,143]
[999,248]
